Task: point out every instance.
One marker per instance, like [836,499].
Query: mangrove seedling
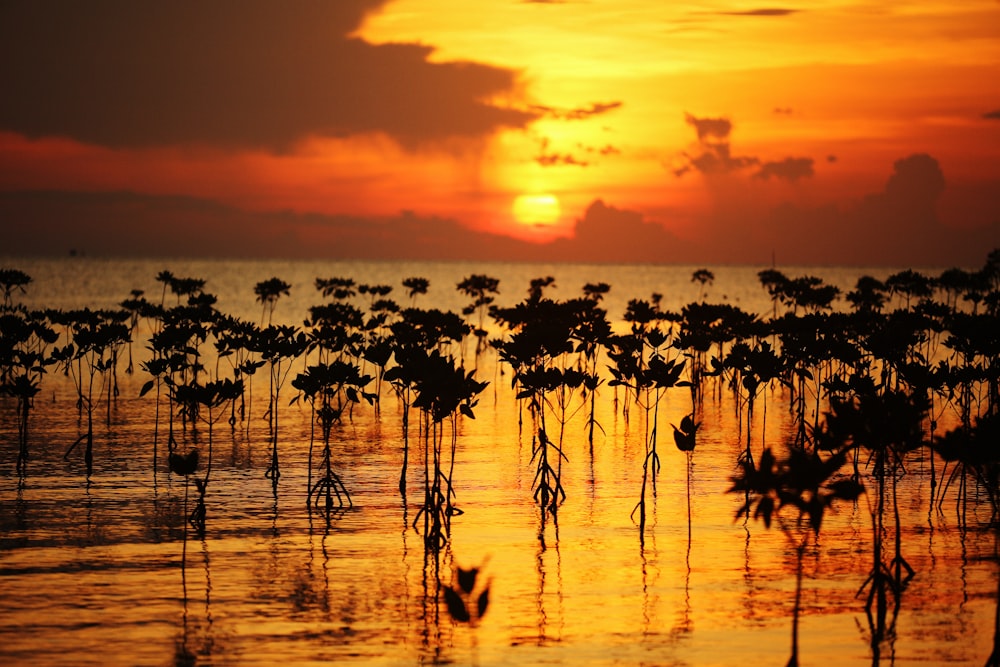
[805,483]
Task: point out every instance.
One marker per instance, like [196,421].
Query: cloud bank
[232,73]
[898,225]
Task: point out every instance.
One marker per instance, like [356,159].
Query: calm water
[91,572]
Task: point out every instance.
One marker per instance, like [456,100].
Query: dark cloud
[765,11]
[580,113]
[552,159]
[899,226]
[710,128]
[549,158]
[916,182]
[716,155]
[610,234]
[136,225]
[992,115]
[237,73]
[789,169]
[718,159]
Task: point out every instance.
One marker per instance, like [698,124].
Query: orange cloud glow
[706,128]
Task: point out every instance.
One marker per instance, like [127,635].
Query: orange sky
[601,130]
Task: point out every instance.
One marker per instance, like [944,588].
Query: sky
[735,132]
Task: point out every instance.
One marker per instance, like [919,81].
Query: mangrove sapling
[685,439]
[176,360]
[754,369]
[415,286]
[652,379]
[203,400]
[279,346]
[238,342]
[976,445]
[481,289]
[136,306]
[11,281]
[268,292]
[703,277]
[413,335]
[444,390]
[591,333]
[95,338]
[887,426]
[805,482]
[625,350]
[378,343]
[330,388]
[24,342]
[542,336]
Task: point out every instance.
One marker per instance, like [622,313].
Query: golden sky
[606,130]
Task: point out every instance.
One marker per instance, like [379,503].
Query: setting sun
[536,210]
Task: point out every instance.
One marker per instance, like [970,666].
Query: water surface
[98,571]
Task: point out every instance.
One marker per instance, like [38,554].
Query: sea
[104,569]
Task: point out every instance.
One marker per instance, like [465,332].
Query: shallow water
[99,571]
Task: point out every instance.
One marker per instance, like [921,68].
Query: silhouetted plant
[805,483]
[910,285]
[443,391]
[702,277]
[753,370]
[975,446]
[378,342]
[542,334]
[416,332]
[96,338]
[887,425]
[25,339]
[279,346]
[268,292]
[11,281]
[592,332]
[330,388]
[415,286]
[203,400]
[137,306]
[775,282]
[685,437]
[869,294]
[648,381]
[481,289]
[238,342]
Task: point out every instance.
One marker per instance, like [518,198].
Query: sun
[541,210]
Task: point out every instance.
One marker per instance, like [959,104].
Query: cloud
[232,73]
[709,128]
[789,169]
[580,113]
[765,11]
[897,226]
[716,155]
[552,159]
[992,115]
[900,225]
[609,234]
[127,224]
